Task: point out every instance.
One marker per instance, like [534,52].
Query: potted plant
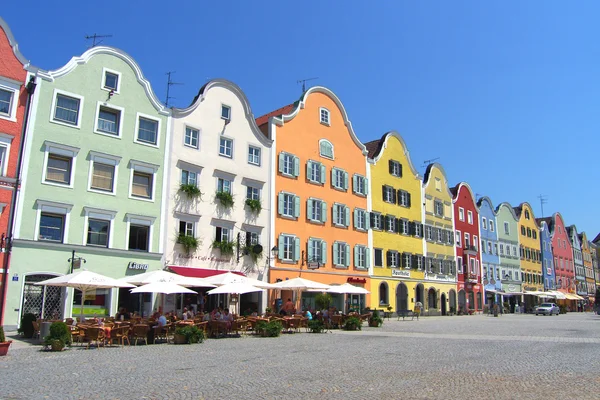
[226,247]
[254,205]
[268,329]
[26,327]
[352,324]
[225,198]
[323,300]
[4,344]
[59,336]
[188,334]
[190,190]
[375,320]
[188,242]
[249,251]
[316,326]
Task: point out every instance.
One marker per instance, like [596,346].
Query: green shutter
[296,166]
[367,220]
[296,206]
[323,211]
[333,175]
[356,256]
[347,255]
[355,217]
[346,180]
[309,209]
[281,161]
[347,210]
[309,254]
[367,257]
[335,254]
[366,187]
[280,246]
[323,172]
[309,166]
[280,203]
[354,183]
[296,249]
[323,252]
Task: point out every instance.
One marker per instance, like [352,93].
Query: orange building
[320,198]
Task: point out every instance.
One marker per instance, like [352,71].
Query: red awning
[194,272]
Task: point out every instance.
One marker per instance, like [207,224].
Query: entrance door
[401,297]
[443,305]
[419,293]
[46,302]
[452,302]
[432,299]
[462,301]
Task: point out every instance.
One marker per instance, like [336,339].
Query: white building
[217,148]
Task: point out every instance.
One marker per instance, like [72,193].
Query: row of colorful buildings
[97,173]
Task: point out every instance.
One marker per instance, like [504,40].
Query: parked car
[547,309]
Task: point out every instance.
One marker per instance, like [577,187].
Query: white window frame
[459,265]
[324,112]
[292,251]
[491,225]
[458,238]
[251,147]
[253,189]
[224,180]
[484,223]
[361,214]
[507,228]
[389,194]
[53,108]
[14,87]
[137,127]
[147,168]
[461,214]
[186,127]
[52,207]
[344,249]
[187,181]
[358,178]
[110,106]
[64,151]
[365,255]
[186,222]
[336,174]
[470,217]
[293,206]
[103,80]
[219,144]
[101,214]
[322,210]
[228,117]
[6,142]
[144,220]
[332,149]
[108,159]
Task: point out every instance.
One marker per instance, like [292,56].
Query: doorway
[46,302]
[452,301]
[443,303]
[401,297]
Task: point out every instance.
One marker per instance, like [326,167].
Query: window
[252,193]
[188,177]
[361,256]
[186,228]
[418,229]
[470,217]
[315,172]
[52,227]
[395,168]
[103,176]
[383,293]
[482,246]
[489,247]
[461,214]
[3,159]
[467,240]
[523,231]
[6,99]
[458,239]
[501,249]
[58,169]
[289,248]
[491,226]
[404,227]
[225,112]
[289,164]
[223,185]
[428,232]
[392,258]
[528,232]
[226,147]
[142,185]
[359,185]
[339,179]
[317,251]
[438,184]
[139,237]
[378,258]
[527,214]
[98,232]
[147,130]
[475,242]
[495,248]
[419,262]
[389,194]
[316,210]
[514,251]
[289,205]
[111,81]
[66,109]
[341,215]
[376,220]
[253,155]
[403,198]
[341,254]
[361,221]
[191,137]
[325,149]
[534,233]
[484,223]
[459,265]
[406,260]
[109,121]
[438,208]
[324,116]
[390,223]
[506,228]
[223,234]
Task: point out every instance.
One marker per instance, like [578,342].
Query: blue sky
[504,93]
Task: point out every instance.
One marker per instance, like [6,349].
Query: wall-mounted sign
[439,277]
[137,266]
[15,278]
[401,273]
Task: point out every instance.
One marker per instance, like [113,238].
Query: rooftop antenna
[169,84]
[543,200]
[94,37]
[477,196]
[303,81]
[427,162]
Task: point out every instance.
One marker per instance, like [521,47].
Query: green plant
[188,242]
[352,324]
[2,337]
[268,309]
[225,198]
[190,190]
[375,320]
[562,309]
[254,205]
[26,327]
[316,326]
[249,250]
[59,336]
[269,329]
[226,247]
[192,334]
[323,300]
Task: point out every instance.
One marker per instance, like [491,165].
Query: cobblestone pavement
[467,357]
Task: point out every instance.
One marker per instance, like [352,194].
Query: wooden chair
[160,333]
[140,332]
[94,334]
[121,334]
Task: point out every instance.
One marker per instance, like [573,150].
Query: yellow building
[590,283]
[396,225]
[440,253]
[531,253]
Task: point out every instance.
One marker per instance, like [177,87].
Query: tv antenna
[169,84]
[543,200]
[303,82]
[427,162]
[94,37]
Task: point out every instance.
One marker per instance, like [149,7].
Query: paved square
[510,357]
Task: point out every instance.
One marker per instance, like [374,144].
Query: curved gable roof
[509,208]
[457,190]
[443,172]
[235,89]
[487,200]
[111,51]
[520,211]
[376,148]
[13,43]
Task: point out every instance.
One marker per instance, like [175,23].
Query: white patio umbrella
[347,288]
[165,276]
[235,288]
[230,277]
[300,284]
[85,280]
[162,287]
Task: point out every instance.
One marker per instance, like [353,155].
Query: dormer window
[326,149]
[111,81]
[527,214]
[226,112]
[324,116]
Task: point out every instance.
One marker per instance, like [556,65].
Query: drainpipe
[13,202]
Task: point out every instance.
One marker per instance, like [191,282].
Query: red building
[468,258]
[562,252]
[13,99]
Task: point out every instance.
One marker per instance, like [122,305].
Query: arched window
[383,293]
[526,214]
[325,148]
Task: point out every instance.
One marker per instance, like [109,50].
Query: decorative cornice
[13,43]
[428,174]
[383,146]
[510,209]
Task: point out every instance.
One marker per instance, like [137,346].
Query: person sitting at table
[228,318]
[162,321]
[186,314]
[288,307]
[215,315]
[308,315]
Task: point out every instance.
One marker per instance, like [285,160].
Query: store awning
[558,295]
[572,296]
[194,272]
[540,294]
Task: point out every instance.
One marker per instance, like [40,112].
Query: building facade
[468,259]
[219,211]
[93,185]
[490,260]
[548,272]
[579,283]
[510,265]
[590,283]
[530,252]
[396,223]
[321,187]
[440,253]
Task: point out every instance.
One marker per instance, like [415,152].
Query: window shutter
[347,211]
[280,246]
[333,176]
[296,206]
[309,166]
[408,200]
[388,255]
[391,166]
[366,187]
[323,172]
[323,211]
[280,203]
[383,192]
[309,208]
[403,260]
[367,220]
[218,234]
[336,260]
[414,262]
[345,180]
[411,228]
[355,218]
[356,256]
[281,161]
[296,249]
[367,257]
[354,184]
[397,225]
[400,169]
[309,253]
[372,219]
[296,166]
[248,239]
[386,223]
[347,255]
[323,252]
[395,197]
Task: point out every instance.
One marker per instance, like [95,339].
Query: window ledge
[110,135]
[141,199]
[287,261]
[288,217]
[8,118]
[316,222]
[64,124]
[57,185]
[315,183]
[101,192]
[156,146]
[340,267]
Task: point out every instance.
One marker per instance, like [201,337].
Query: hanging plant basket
[190,190]
[225,247]
[254,205]
[225,198]
[188,242]
[249,251]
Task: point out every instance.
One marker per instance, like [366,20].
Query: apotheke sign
[137,266]
[400,273]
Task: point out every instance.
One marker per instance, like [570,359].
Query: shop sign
[512,288]
[401,273]
[137,266]
[439,277]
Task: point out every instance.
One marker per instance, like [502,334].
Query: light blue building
[490,258]
[547,261]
